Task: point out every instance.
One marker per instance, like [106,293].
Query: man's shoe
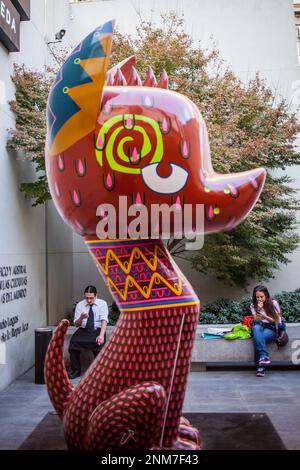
[264,361]
[74,374]
[260,372]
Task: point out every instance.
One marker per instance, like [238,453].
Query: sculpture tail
[58,384]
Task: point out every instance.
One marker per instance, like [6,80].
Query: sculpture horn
[75,96]
[126,68]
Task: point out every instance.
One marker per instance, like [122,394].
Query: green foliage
[29,135]
[225,311]
[232,311]
[222,311]
[37,190]
[249,127]
[290,305]
[114,314]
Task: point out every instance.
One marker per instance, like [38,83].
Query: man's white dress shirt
[100,310]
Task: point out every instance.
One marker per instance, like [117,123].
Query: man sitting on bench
[91,317]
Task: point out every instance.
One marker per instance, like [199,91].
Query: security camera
[60,34]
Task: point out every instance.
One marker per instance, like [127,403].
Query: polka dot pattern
[59,386]
[132,395]
[132,419]
[131,357]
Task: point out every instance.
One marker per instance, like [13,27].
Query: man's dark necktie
[90,320]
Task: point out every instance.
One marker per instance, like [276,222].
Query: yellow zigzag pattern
[127,265]
[145,290]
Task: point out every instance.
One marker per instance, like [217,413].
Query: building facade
[22,234]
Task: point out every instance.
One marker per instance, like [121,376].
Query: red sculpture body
[122,137]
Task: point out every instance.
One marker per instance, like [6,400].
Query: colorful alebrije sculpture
[111,135]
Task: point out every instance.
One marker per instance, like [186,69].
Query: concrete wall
[27,232]
[59,236]
[22,232]
[59,267]
[84,17]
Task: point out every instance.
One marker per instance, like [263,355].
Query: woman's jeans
[263,333]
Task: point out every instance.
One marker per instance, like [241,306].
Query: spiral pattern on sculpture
[129,142]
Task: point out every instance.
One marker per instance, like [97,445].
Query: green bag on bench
[239,332]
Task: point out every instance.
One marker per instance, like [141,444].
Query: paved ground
[277,394]
[23,404]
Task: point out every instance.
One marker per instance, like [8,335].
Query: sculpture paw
[188,436]
[187,439]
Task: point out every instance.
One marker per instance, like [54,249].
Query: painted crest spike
[164,80]
[150,79]
[125,67]
[134,79]
[110,80]
[119,79]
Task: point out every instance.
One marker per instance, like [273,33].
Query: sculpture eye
[169,185]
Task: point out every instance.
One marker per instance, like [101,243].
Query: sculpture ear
[75,98]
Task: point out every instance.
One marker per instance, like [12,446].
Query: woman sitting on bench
[266,313]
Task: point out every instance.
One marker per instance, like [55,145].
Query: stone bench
[240,351]
[209,352]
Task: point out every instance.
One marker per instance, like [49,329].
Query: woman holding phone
[267,319]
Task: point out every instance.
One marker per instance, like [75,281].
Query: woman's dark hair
[268,303]
[90,290]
